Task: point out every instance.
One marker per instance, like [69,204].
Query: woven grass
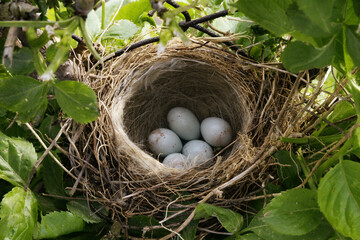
[135,91]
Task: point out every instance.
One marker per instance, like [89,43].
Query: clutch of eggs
[184,125]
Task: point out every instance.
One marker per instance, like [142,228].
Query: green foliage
[311,22]
[22,63]
[140,226]
[17,157]
[289,169]
[339,198]
[264,231]
[230,220]
[18,214]
[56,224]
[300,56]
[24,95]
[77,100]
[82,209]
[53,177]
[293,212]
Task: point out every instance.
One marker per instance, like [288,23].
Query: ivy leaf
[301,56]
[56,224]
[293,212]
[81,209]
[269,14]
[339,198]
[77,100]
[24,95]
[230,220]
[353,44]
[17,157]
[122,29]
[18,214]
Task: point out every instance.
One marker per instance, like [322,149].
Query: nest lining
[135,93]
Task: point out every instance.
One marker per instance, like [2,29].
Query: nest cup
[135,93]
[153,89]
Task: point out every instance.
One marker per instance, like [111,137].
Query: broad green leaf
[18,215]
[269,14]
[189,232]
[341,111]
[93,25]
[353,44]
[230,220]
[301,56]
[22,62]
[77,100]
[4,73]
[17,158]
[304,24]
[351,17]
[247,236]
[56,224]
[122,29]
[339,198]
[133,10]
[289,169]
[293,212]
[261,229]
[328,17]
[49,126]
[53,177]
[81,209]
[139,223]
[24,95]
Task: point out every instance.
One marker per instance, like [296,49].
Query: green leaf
[17,158]
[289,169]
[77,100]
[261,229]
[22,63]
[339,198]
[4,73]
[230,220]
[81,209]
[18,215]
[133,10]
[93,25]
[247,236]
[353,44]
[352,16]
[24,95]
[53,177]
[301,56]
[293,212]
[328,17]
[56,224]
[122,29]
[141,223]
[304,24]
[189,232]
[49,126]
[269,14]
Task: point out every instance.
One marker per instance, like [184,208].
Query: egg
[176,160]
[197,151]
[216,131]
[163,141]
[184,123]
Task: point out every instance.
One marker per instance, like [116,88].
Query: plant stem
[103,15]
[306,170]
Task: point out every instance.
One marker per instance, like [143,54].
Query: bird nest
[111,156]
